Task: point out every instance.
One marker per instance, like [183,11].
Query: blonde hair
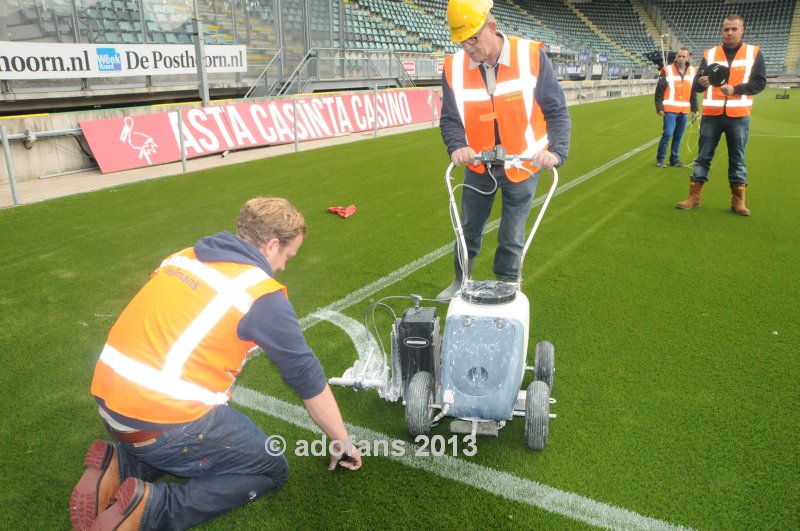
[264,218]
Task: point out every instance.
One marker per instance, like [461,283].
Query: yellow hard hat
[466,17]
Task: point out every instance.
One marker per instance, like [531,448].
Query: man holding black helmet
[730,75]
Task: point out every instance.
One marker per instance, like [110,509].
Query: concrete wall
[53,156]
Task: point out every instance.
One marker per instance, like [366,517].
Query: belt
[134,437]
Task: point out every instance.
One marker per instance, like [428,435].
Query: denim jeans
[475,211]
[736,132]
[223,456]
[674,126]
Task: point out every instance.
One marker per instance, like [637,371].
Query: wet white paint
[361,338]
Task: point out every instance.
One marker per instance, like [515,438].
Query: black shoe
[678,164]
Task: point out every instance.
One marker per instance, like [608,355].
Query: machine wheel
[537,415]
[419,412]
[545,363]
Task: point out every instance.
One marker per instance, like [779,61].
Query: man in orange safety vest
[727,102]
[674,100]
[167,370]
[498,90]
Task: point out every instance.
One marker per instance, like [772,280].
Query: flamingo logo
[432,104]
[143,143]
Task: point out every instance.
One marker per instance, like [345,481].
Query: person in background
[498,90]
[726,109]
[165,375]
[674,99]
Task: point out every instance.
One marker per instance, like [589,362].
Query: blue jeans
[674,126]
[223,456]
[736,132]
[475,211]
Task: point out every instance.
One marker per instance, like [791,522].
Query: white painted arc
[361,338]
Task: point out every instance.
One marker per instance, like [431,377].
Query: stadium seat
[130,38]
[157,38]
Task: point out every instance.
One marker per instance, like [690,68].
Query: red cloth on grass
[345,212]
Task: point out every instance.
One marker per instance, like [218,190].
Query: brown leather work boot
[125,514]
[693,201]
[737,200]
[95,490]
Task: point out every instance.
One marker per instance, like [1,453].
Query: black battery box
[417,343]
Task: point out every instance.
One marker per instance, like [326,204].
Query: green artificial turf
[676,332]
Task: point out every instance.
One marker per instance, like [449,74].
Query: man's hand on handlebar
[545,160]
[466,155]
[463,156]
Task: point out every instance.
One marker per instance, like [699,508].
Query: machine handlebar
[497,154]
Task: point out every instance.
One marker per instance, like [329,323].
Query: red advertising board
[136,141]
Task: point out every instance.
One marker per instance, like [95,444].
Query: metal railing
[29,137]
[321,65]
[275,62]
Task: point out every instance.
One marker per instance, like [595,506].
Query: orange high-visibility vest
[715,102]
[523,130]
[174,353]
[679,89]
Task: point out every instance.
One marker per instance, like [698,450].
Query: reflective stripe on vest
[521,123]
[679,89]
[174,352]
[159,381]
[714,101]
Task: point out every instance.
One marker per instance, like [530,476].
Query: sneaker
[661,164]
[678,164]
[95,490]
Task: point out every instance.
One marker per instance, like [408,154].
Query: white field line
[403,272]
[499,483]
[496,482]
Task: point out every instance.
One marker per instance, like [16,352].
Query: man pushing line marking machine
[473,371]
